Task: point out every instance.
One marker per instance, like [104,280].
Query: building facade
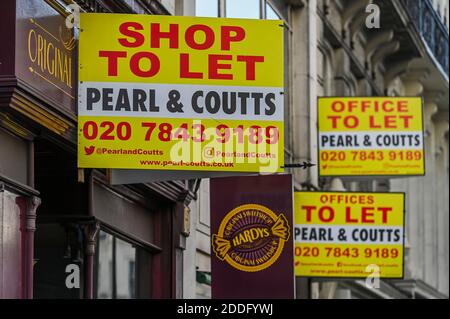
[339,48]
[153,240]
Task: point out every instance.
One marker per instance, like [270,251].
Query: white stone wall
[198,248]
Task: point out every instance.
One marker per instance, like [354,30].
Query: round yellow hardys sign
[251,237]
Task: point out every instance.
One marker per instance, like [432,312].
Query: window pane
[243,9]
[207,8]
[271,14]
[105,266]
[125,269]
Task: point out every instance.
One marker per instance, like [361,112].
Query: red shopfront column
[28,207]
[91,233]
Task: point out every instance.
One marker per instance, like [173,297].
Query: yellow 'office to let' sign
[370,136]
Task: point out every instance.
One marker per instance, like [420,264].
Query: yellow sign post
[341,234]
[180,93]
[370,136]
